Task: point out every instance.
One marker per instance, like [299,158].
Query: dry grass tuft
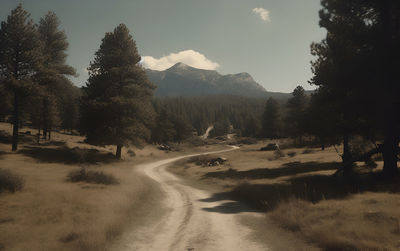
[90,176]
[10,181]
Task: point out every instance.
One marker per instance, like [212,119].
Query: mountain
[184,80]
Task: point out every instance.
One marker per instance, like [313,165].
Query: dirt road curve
[187,224]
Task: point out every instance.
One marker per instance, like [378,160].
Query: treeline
[245,117]
[228,114]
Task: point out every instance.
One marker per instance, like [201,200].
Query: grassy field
[296,189]
[67,195]
[74,196]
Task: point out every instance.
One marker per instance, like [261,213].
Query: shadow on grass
[68,155]
[313,188]
[287,169]
[6,138]
[53,143]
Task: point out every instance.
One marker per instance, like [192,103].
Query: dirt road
[187,225]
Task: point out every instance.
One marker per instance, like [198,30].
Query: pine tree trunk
[45,118]
[15,123]
[391,139]
[119,150]
[38,135]
[390,156]
[346,157]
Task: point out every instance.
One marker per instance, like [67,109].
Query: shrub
[247,141]
[307,151]
[201,160]
[89,176]
[131,153]
[279,154]
[10,182]
[291,154]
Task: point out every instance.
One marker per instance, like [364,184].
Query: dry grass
[52,214]
[299,194]
[367,221]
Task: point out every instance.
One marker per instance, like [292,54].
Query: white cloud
[189,57]
[262,13]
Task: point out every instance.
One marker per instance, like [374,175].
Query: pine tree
[271,119]
[183,129]
[54,68]
[296,113]
[20,59]
[116,104]
[69,106]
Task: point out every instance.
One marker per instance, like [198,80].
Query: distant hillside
[183,80]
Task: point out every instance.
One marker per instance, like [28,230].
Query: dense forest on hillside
[202,112]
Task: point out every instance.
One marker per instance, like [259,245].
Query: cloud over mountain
[189,57]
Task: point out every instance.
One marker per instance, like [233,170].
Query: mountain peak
[179,65]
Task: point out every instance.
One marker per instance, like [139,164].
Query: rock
[164,147]
[217,161]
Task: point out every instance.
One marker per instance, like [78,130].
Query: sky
[269,39]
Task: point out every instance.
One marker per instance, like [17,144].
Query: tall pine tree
[20,59]
[271,119]
[54,68]
[116,105]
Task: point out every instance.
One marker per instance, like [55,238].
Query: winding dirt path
[188,225]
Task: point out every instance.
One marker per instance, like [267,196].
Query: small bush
[247,141]
[70,237]
[89,176]
[201,160]
[10,181]
[279,154]
[131,153]
[308,151]
[270,147]
[83,155]
[291,154]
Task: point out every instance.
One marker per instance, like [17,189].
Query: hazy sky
[270,39]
